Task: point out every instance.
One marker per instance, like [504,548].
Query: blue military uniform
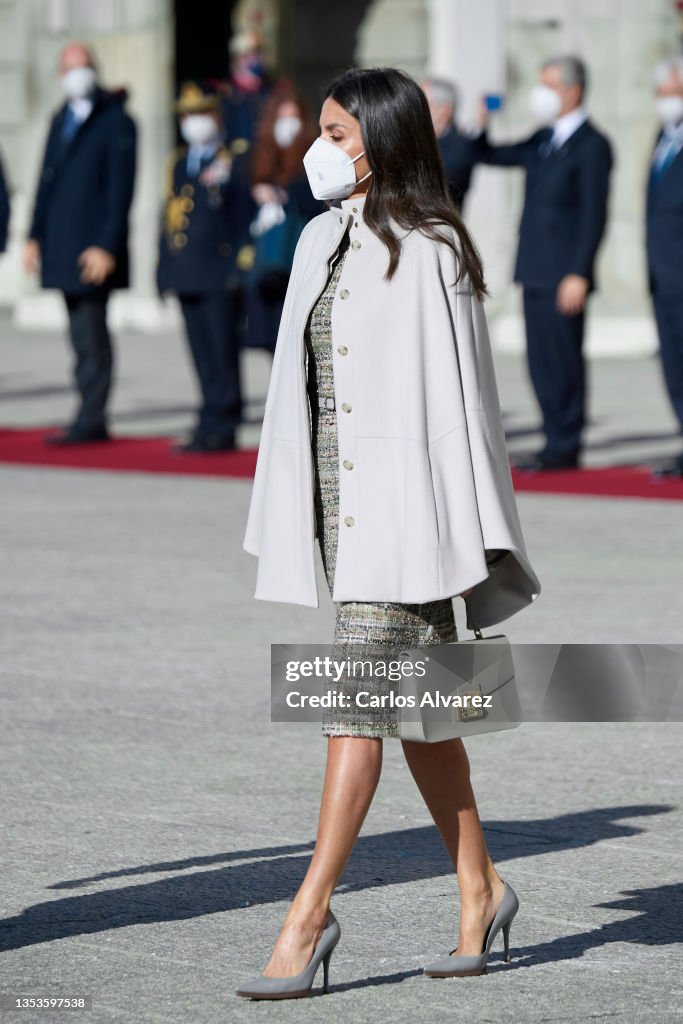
[204,250]
[83,199]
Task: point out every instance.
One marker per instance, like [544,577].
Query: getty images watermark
[485,679]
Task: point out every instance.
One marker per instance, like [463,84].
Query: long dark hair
[408,181]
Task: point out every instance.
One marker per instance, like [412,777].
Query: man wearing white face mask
[79,229]
[204,247]
[567,163]
[664,226]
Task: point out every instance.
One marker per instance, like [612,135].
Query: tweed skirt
[362,628]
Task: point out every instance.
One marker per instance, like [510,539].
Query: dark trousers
[211,324]
[94,357]
[557,369]
[669,317]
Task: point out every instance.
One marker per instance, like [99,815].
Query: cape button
[344,293]
[346,407]
[355,244]
[349,520]
[342,350]
[348,464]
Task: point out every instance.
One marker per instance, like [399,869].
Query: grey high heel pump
[461,966]
[263,987]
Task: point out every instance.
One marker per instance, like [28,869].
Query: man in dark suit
[567,165]
[205,247]
[4,209]
[664,231]
[79,229]
[456,148]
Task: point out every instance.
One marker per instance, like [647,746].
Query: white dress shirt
[82,108]
[566,125]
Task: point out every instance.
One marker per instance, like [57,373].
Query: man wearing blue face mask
[568,164]
[249,85]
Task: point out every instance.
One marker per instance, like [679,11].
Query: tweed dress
[361,628]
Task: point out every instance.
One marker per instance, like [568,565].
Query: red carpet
[153,455]
[123,454]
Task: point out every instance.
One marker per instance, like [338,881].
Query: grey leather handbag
[470,688]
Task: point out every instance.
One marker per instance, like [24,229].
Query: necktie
[663,158]
[70,125]
[547,143]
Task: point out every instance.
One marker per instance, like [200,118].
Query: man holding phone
[568,164]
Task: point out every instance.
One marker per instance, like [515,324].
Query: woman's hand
[466,593]
[264,193]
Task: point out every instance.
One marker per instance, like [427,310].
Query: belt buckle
[328,403]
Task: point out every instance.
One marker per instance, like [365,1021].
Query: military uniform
[204,248]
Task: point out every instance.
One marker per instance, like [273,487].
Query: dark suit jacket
[664,229]
[204,239]
[565,202]
[84,195]
[4,209]
[457,153]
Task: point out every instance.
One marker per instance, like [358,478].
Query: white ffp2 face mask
[544,103]
[286,129]
[199,129]
[330,171]
[78,82]
[669,109]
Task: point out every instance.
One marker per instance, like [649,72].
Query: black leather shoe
[545,460]
[207,443]
[75,436]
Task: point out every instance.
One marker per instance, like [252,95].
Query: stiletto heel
[326,970]
[265,987]
[461,966]
[506,939]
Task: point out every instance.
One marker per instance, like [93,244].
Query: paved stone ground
[155,824]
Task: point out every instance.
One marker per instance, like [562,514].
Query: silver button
[355,223]
[340,220]
[355,209]
[355,244]
[349,520]
[348,464]
[346,407]
[344,293]
[342,350]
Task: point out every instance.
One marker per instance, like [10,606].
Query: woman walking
[382,438]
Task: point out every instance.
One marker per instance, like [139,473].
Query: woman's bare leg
[442,774]
[354,766]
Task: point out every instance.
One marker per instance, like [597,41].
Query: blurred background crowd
[153,152]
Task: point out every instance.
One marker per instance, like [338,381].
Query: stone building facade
[485,46]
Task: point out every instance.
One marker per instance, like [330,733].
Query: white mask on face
[78,82]
[199,129]
[544,103]
[669,109]
[286,129]
[330,171]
